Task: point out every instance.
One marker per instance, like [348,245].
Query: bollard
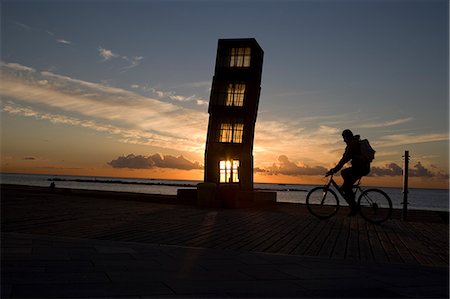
[405,186]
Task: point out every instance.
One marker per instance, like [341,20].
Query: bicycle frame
[356,187]
[336,186]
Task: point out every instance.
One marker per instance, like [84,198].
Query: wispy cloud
[133,62]
[405,139]
[23,26]
[154,161]
[16,67]
[384,124]
[137,119]
[43,31]
[123,134]
[63,41]
[170,95]
[106,54]
[319,145]
[297,93]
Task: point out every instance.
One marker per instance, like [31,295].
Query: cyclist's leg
[350,177]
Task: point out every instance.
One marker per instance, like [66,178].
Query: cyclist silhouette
[359,168]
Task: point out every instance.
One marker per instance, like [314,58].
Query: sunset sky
[121,88]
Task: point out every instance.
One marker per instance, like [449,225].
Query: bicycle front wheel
[375,205]
[322,202]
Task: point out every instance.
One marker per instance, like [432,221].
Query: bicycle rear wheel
[322,202]
[375,206]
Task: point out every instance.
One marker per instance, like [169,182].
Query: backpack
[367,152]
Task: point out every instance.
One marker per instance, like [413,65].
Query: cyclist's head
[347,133]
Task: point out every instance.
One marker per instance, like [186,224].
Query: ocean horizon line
[194,182]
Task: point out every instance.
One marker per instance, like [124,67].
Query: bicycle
[374,205]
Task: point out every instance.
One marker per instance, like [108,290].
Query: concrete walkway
[42,266]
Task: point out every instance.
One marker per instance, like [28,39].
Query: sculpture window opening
[231,132]
[240,57]
[235,94]
[229,171]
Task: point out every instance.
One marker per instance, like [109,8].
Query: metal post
[405,186]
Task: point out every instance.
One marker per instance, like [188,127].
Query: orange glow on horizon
[198,175]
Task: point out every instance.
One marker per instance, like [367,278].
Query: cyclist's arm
[346,157]
[341,163]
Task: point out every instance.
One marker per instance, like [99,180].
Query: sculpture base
[226,196]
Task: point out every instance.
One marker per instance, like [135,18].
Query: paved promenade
[86,244]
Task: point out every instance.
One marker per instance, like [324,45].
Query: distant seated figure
[52,186]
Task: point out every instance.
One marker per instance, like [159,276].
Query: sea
[418,199]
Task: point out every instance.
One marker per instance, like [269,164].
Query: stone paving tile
[356,293]
[89,290]
[257,288]
[54,277]
[410,280]
[423,292]
[251,259]
[152,256]
[320,273]
[340,284]
[125,269]
[114,249]
[129,264]
[47,263]
[5,290]
[12,269]
[158,275]
[17,250]
[267,273]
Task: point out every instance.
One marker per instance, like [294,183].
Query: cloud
[418,170]
[106,54]
[154,161]
[387,123]
[287,167]
[170,95]
[23,26]
[404,139]
[133,62]
[391,169]
[202,102]
[63,41]
[125,135]
[316,145]
[133,118]
[16,67]
[327,130]
[203,84]
[41,31]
